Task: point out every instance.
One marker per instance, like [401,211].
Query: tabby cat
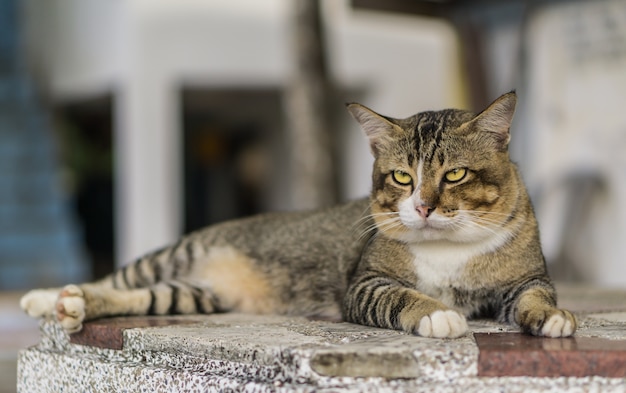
[448,233]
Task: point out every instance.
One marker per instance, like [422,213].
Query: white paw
[557,326]
[39,302]
[70,308]
[443,324]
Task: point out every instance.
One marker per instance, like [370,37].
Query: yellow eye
[455,175]
[402,177]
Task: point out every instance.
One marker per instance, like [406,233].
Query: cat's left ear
[379,129]
[497,118]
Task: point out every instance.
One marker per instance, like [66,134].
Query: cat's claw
[558,326]
[443,324]
[70,308]
[39,303]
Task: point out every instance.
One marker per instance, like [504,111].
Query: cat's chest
[440,264]
[441,268]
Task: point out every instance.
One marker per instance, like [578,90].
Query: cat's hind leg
[75,304]
[223,280]
[79,303]
[86,302]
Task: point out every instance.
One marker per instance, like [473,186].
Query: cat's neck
[440,251]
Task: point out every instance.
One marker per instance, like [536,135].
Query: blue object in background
[40,242]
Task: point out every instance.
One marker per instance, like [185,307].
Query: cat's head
[443,175]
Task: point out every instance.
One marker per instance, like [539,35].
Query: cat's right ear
[378,129]
[497,118]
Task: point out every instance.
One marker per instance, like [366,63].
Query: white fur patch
[443,324]
[417,197]
[557,326]
[441,263]
[40,302]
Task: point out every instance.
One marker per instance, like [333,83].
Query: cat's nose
[424,210]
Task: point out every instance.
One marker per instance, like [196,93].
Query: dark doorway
[86,136]
[232,152]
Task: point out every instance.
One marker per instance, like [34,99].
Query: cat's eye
[455,175]
[402,177]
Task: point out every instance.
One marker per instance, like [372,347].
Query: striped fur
[458,240]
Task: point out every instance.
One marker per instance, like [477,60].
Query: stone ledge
[272,353]
[109,332]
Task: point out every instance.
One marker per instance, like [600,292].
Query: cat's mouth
[430,226]
[425,225]
[438,228]
[419,230]
[434,222]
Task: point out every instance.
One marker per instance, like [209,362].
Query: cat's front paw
[549,323]
[70,308]
[559,325]
[39,303]
[442,324]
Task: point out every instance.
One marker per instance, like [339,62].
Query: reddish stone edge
[516,354]
[109,332]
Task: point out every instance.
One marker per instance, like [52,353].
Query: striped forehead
[430,130]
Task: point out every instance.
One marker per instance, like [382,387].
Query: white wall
[577,127]
[143,50]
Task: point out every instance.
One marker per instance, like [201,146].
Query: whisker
[487,221]
[367,209]
[357,225]
[394,221]
[484,217]
[367,230]
[386,224]
[373,215]
[482,212]
[493,229]
[376,215]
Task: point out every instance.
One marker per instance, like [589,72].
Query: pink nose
[424,210]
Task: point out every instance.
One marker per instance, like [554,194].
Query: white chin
[425,235]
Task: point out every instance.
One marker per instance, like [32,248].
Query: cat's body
[447,233]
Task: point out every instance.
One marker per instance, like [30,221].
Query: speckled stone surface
[230,352]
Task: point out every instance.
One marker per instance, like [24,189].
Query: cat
[448,233]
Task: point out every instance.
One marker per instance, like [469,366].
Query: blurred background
[126,123]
